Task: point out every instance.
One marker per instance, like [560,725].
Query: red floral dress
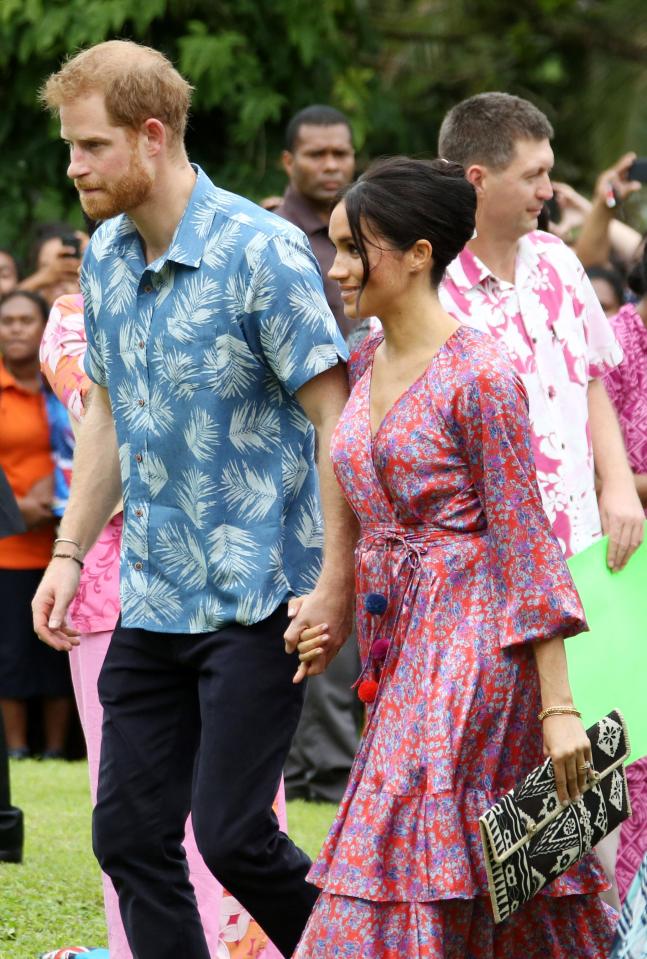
[457,574]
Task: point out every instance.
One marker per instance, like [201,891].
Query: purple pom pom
[379,649]
[375,603]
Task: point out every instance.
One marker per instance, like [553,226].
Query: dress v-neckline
[405,393]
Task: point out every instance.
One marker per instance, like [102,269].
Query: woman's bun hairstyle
[406,200]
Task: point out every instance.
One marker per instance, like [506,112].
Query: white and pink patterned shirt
[559,339]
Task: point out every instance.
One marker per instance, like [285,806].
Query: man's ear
[287,162]
[476,174]
[156,136]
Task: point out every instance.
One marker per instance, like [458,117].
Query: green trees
[394,65]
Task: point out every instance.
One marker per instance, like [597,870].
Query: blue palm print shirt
[202,352]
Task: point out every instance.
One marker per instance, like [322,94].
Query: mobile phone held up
[638,170]
[71,240]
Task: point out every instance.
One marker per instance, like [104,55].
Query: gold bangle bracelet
[558,711]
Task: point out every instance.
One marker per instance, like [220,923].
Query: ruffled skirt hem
[342,927]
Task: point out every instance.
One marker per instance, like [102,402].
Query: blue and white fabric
[202,352]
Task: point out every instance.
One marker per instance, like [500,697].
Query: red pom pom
[367,690]
[379,649]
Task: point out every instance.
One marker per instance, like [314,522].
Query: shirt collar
[300,211]
[467,271]
[191,234]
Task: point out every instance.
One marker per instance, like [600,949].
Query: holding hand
[325,612]
[312,644]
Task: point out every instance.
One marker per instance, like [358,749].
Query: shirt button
[139,512]
[551,392]
[148,288]
[138,565]
[141,344]
[563,446]
[138,457]
[141,402]
[534,339]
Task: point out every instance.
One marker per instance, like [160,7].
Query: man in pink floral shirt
[529,290]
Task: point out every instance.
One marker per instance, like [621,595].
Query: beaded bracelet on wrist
[68,556]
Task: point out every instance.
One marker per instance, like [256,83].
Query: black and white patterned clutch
[529,838]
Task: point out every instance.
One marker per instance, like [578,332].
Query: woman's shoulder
[362,356]
[478,361]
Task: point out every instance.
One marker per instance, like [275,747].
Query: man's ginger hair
[137,82]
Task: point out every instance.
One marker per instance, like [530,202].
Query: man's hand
[49,606]
[623,520]
[613,185]
[574,208]
[36,505]
[326,605]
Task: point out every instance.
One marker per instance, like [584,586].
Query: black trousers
[198,723]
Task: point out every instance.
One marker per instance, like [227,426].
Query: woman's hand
[311,645]
[569,748]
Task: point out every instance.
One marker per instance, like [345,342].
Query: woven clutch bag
[529,838]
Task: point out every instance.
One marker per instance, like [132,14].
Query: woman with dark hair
[609,288]
[32,436]
[464,600]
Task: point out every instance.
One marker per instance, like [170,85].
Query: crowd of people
[331,455]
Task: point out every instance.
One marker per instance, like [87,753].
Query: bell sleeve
[533,592]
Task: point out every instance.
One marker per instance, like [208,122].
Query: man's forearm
[96,480]
[609,453]
[593,244]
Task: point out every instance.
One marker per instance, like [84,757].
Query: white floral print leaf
[252,492]
[180,552]
[195,494]
[232,554]
[254,426]
[201,434]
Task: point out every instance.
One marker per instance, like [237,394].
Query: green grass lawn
[54,897]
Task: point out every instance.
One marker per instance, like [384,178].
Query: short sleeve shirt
[202,352]
[558,339]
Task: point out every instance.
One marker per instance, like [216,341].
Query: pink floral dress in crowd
[458,573]
[627,388]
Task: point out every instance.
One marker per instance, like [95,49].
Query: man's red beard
[133,189]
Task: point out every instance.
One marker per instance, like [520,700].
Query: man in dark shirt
[319,160]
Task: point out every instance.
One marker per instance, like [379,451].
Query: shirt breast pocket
[184,368]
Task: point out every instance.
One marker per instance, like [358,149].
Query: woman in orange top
[28,668]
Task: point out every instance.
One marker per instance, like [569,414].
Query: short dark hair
[316,115]
[406,200]
[35,298]
[485,128]
[611,276]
